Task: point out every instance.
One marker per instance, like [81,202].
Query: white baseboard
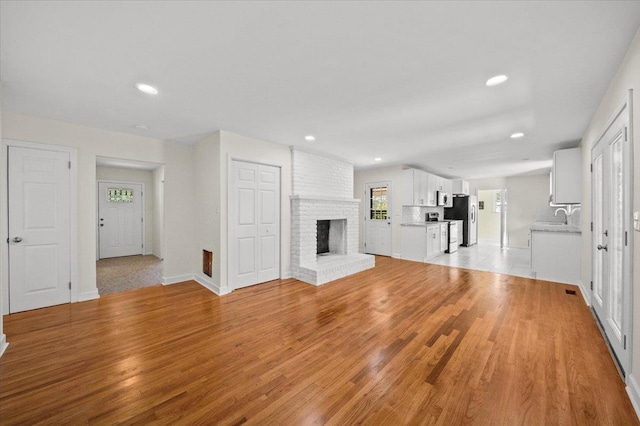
[634,393]
[88,295]
[286,275]
[396,255]
[3,343]
[586,293]
[206,282]
[176,279]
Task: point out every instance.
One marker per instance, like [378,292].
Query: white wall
[394,175]
[627,77]
[488,218]
[136,176]
[207,198]
[158,212]
[526,196]
[90,143]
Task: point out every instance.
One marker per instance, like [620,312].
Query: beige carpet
[126,273]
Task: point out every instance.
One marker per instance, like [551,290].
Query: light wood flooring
[404,343]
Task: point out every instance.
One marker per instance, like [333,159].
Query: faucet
[566,214]
[571,213]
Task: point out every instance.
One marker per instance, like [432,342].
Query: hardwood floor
[404,343]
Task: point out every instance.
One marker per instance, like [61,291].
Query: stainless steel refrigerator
[465,208]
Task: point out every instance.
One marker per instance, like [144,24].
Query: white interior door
[254,217]
[120,219]
[377,222]
[39,228]
[611,292]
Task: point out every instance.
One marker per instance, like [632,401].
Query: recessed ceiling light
[309,138]
[497,79]
[142,127]
[377,159]
[146,88]
[517,135]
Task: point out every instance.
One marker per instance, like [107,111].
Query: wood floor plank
[403,343]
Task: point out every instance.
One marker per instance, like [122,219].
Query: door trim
[227,211]
[144,212]
[4,209]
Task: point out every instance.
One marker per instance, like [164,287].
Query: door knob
[17,239]
[600,247]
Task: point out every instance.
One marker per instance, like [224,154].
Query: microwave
[443,197]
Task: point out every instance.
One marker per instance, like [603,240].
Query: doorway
[121,213]
[129,224]
[612,235]
[254,224]
[492,217]
[377,222]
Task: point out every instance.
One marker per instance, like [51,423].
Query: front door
[254,231]
[120,218]
[378,218]
[39,228]
[611,295]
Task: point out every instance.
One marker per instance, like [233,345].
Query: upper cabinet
[460,187]
[414,184]
[421,188]
[566,176]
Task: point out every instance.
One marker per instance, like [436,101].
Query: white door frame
[389,184]
[230,160]
[144,212]
[4,208]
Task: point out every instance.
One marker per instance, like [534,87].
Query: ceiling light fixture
[142,127]
[309,138]
[377,159]
[496,79]
[146,88]
[517,135]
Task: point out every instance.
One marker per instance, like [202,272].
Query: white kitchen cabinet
[433,241]
[556,256]
[444,237]
[414,187]
[566,176]
[414,243]
[460,187]
[432,188]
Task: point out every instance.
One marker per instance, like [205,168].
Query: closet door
[254,217]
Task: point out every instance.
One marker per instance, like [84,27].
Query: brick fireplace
[323,191]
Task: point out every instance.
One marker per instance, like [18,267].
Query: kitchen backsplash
[413,214]
[547,214]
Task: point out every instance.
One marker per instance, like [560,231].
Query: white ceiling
[400,81]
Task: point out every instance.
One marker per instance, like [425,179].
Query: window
[378,203]
[498,202]
[120,195]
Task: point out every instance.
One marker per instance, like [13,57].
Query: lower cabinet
[433,241]
[556,256]
[414,243]
[444,237]
[420,243]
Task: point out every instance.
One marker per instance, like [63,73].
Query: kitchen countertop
[555,227]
